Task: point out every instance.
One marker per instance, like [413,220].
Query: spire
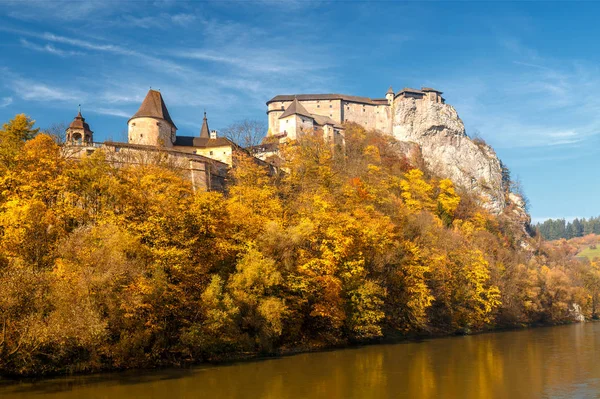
[390,90]
[204,132]
[79,111]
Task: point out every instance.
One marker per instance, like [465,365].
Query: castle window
[141,135]
[330,106]
[318,106]
[282,107]
[133,124]
[211,153]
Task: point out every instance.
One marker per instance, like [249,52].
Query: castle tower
[390,95]
[152,124]
[79,131]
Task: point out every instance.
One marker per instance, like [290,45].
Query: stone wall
[222,154]
[204,173]
[151,131]
[367,115]
[330,108]
[371,116]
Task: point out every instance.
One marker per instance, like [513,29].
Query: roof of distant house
[153,106]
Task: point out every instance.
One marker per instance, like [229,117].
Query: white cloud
[5,102]
[110,111]
[32,90]
[48,48]
[183,19]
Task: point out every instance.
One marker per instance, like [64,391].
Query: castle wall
[330,108]
[274,112]
[222,154]
[293,125]
[370,116]
[151,131]
[204,174]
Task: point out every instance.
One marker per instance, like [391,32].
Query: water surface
[552,362]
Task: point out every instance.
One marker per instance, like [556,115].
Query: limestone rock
[449,152]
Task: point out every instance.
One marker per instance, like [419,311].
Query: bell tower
[78,132]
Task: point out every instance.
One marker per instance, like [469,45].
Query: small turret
[79,131]
[390,95]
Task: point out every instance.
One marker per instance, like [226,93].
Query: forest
[555,229]
[111,268]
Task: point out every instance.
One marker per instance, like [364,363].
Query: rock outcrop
[449,152]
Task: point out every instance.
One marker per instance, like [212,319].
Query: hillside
[106,267]
[448,152]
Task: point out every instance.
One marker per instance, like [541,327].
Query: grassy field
[590,253]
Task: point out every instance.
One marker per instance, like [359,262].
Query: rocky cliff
[449,152]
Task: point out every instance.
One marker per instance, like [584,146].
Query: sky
[524,76]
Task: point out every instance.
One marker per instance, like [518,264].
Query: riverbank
[248,357]
[552,362]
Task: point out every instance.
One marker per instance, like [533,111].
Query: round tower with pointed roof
[79,131]
[152,124]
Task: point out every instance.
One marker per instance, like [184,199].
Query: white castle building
[290,114]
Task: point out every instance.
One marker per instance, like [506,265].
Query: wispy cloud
[61,10]
[541,102]
[5,102]
[32,90]
[110,111]
[161,21]
[48,48]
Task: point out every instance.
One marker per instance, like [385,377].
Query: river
[550,362]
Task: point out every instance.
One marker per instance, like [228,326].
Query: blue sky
[522,75]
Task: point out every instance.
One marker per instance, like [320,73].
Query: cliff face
[449,152]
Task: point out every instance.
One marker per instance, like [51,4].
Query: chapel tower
[152,124]
[79,131]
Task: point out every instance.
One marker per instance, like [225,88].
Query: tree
[246,133]
[13,135]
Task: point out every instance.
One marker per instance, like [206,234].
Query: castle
[152,134]
[290,114]
[152,137]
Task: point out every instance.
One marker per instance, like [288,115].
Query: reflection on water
[554,362]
